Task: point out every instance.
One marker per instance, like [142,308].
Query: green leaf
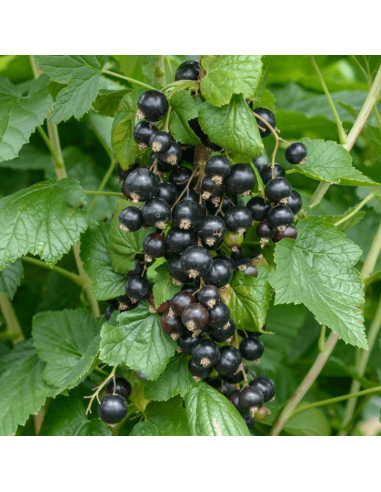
[44,220]
[317,271]
[209,413]
[19,115]
[309,423]
[107,101]
[230,74]
[331,163]
[163,419]
[68,341]
[32,159]
[80,74]
[22,388]
[138,67]
[105,283]
[233,127]
[123,246]
[67,417]
[176,380]
[102,127]
[184,109]
[163,289]
[125,147]
[349,223]
[248,299]
[139,342]
[10,278]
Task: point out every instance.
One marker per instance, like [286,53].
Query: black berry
[188,215]
[130,219]
[219,316]
[138,270]
[180,177]
[172,325]
[205,353]
[196,262]
[236,378]
[199,373]
[264,385]
[238,220]
[180,301]
[230,360]
[186,342]
[252,270]
[261,162]
[209,296]
[224,333]
[214,204]
[249,421]
[296,153]
[141,185]
[234,399]
[218,168]
[188,70]
[250,400]
[152,106]
[195,318]
[154,246]
[225,388]
[110,311]
[277,190]
[211,230]
[280,216]
[167,191]
[123,173]
[178,240]
[264,231]
[220,274]
[143,133]
[252,349]
[113,409]
[160,141]
[241,180]
[119,386]
[267,173]
[258,208]
[172,156]
[156,213]
[175,270]
[290,233]
[294,202]
[210,188]
[269,117]
[191,195]
[138,288]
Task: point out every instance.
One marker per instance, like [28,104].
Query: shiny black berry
[123,173]
[138,288]
[234,399]
[267,174]
[209,296]
[172,325]
[156,213]
[296,153]
[261,162]
[277,190]
[225,388]
[180,177]
[195,317]
[219,316]
[250,400]
[214,204]
[141,185]
[196,262]
[188,70]
[186,342]
[221,273]
[224,333]
[290,233]
[205,353]
[172,156]
[180,301]
[266,386]
[188,215]
[110,311]
[178,240]
[137,270]
[241,180]
[210,188]
[119,386]
[211,230]
[143,133]
[249,421]
[242,263]
[152,106]
[280,216]
[113,409]
[175,270]
[238,220]
[160,141]
[294,202]
[167,191]
[252,349]
[218,168]
[130,219]
[264,231]
[154,246]
[199,373]
[230,360]
[258,208]
[125,303]
[236,378]
[191,195]
[269,117]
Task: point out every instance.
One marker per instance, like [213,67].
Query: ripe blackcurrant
[218,168]
[175,270]
[119,386]
[138,288]
[162,167]
[186,342]
[214,204]
[152,106]
[124,303]
[290,233]
[236,378]
[294,202]
[209,296]
[188,70]
[277,190]
[210,188]
[160,141]
[138,270]
[224,333]
[188,215]
[296,153]
[238,220]
[258,208]
[280,217]
[220,274]
[178,240]
[268,116]
[252,270]
[156,213]
[172,156]
[172,325]
[250,400]
[225,388]
[113,409]
[205,353]
[143,132]
[261,162]
[242,263]
[196,261]
[189,288]
[195,318]
[211,230]
[154,246]
[266,386]
[167,191]
[230,360]
[180,177]
[180,301]
[130,219]
[141,185]
[219,316]
[267,173]
[249,421]
[264,231]
[110,311]
[123,173]
[241,180]
[234,399]
[252,349]
[199,373]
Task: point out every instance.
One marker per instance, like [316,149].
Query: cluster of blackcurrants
[113,407]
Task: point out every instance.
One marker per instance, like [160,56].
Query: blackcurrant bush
[160,141]
[180,301]
[277,190]
[250,400]
[143,132]
[249,421]
[167,191]
[296,153]
[172,156]
[264,231]
[294,202]
[110,311]
[238,220]
[188,215]
[119,386]
[261,162]
[195,318]
[178,240]
[180,177]
[252,349]
[130,219]
[138,288]
[266,386]
[236,378]
[189,70]
[156,213]
[205,353]
[268,116]
[141,185]
[199,373]
[186,342]
[241,180]
[267,173]
[258,208]
[152,106]
[230,360]
[211,230]
[172,325]
[220,274]
[218,316]
[280,217]
[234,399]
[175,270]
[210,188]
[196,262]
[224,333]
[154,247]
[290,233]
[209,296]
[113,409]
[218,168]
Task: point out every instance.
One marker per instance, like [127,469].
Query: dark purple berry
[250,400]
[160,141]
[175,270]
[189,70]
[238,220]
[210,188]
[266,386]
[180,177]
[258,208]
[269,117]
[209,296]
[172,325]
[167,191]
[195,318]
[219,316]
[267,174]
[130,219]
[252,349]
[154,246]
[199,373]
[119,386]
[290,233]
[180,301]
[230,361]
[277,190]
[178,240]
[224,333]
[211,230]
[143,132]
[241,180]
[113,409]
[221,273]
[196,262]
[205,353]
[141,185]
[152,106]
[296,153]
[294,202]
[138,288]
[188,215]
[156,213]
[186,342]
[280,217]
[172,156]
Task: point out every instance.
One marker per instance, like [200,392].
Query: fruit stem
[11,320]
[61,271]
[160,70]
[354,211]
[102,185]
[132,81]
[99,389]
[277,140]
[187,186]
[321,343]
